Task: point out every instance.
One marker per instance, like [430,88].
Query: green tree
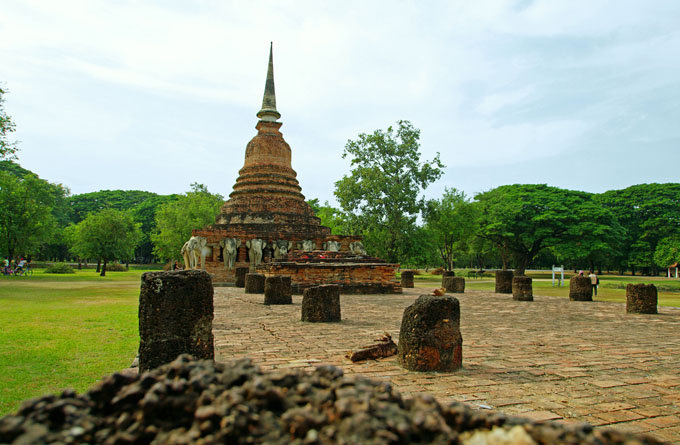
[52,245]
[523,219]
[26,213]
[453,221]
[141,204]
[381,195]
[330,217]
[667,251]
[422,248]
[175,220]
[648,213]
[8,148]
[108,234]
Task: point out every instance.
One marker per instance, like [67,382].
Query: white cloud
[488,82]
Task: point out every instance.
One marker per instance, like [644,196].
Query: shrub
[116,267]
[59,268]
[152,266]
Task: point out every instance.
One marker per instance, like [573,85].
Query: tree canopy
[453,223]
[648,213]
[382,194]
[667,251]
[108,234]
[27,213]
[8,148]
[175,220]
[142,206]
[330,217]
[524,219]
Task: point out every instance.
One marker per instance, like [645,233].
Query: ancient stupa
[266,219]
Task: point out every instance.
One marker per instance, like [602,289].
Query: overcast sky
[155,95]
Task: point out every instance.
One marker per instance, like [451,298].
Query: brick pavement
[550,359]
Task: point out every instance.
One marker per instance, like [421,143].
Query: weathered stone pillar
[429,338]
[175,317]
[504,281]
[641,299]
[447,273]
[454,285]
[522,289]
[321,303]
[254,283]
[580,288]
[277,290]
[240,274]
[407,278]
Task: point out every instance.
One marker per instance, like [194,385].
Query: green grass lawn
[64,331]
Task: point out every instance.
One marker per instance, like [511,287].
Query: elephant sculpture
[281,248]
[229,251]
[193,250]
[307,245]
[256,246]
[331,246]
[357,248]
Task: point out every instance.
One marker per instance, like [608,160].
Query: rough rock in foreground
[190,401]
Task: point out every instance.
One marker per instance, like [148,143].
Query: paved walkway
[550,359]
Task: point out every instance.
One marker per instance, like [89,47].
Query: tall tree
[667,251]
[175,220]
[382,193]
[8,148]
[523,219]
[26,213]
[330,217]
[108,234]
[648,213]
[141,204]
[453,221]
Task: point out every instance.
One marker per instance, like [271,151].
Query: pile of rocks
[190,401]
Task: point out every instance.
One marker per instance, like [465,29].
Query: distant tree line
[43,221]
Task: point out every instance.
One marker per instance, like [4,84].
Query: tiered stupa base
[354,274]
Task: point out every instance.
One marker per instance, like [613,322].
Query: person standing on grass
[594,281]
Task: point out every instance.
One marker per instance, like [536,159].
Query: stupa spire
[268,111]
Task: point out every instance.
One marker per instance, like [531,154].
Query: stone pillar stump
[504,281]
[277,290]
[254,283]
[454,285]
[240,273]
[580,288]
[321,303]
[641,299]
[429,338]
[447,273]
[175,317]
[522,289]
[407,278]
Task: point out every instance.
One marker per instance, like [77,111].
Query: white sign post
[560,279]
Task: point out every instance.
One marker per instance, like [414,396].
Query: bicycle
[24,272]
